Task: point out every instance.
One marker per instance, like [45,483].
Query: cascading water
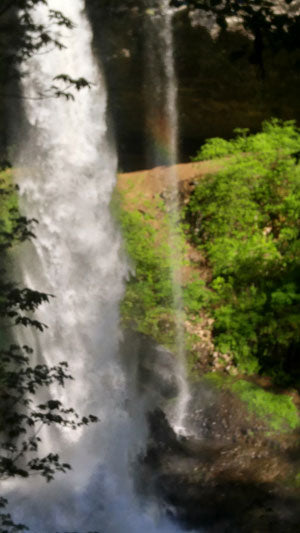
[67,175]
[162,125]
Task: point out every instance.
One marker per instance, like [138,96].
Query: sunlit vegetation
[278,411]
[8,201]
[244,219]
[148,298]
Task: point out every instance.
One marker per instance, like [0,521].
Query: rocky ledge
[229,475]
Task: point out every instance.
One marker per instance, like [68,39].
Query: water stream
[68,169]
[162,125]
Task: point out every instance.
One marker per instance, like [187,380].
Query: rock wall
[219,87]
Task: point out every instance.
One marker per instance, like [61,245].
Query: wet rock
[152,365]
[229,476]
[162,435]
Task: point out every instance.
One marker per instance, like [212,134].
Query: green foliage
[195,295]
[277,410]
[245,219]
[213,148]
[215,379]
[275,135]
[148,300]
[8,206]
[16,303]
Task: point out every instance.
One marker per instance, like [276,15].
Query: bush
[245,219]
[275,135]
[8,202]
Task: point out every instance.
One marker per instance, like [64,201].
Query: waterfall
[162,126]
[67,169]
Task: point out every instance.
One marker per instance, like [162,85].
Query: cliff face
[219,86]
[237,469]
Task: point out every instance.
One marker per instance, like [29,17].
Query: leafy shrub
[275,135]
[213,148]
[8,201]
[195,295]
[245,219]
